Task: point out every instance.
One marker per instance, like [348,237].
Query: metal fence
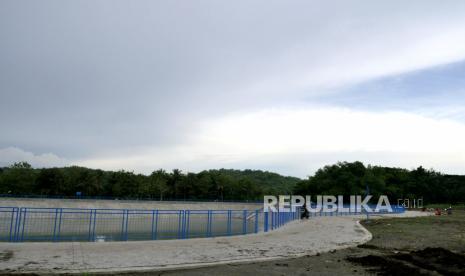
[69,224]
[8,217]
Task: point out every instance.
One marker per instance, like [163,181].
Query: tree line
[355,178]
[343,178]
[21,179]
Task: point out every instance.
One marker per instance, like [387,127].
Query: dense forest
[22,179]
[339,179]
[353,178]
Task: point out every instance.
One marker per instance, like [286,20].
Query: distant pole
[367,192]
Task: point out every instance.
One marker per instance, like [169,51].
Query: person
[449,210]
[305,213]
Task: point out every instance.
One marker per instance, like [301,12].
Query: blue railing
[72,224]
[8,216]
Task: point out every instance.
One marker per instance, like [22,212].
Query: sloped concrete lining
[127,204]
[298,238]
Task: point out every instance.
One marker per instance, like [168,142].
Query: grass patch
[446,231]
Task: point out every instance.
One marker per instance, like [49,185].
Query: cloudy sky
[285,86]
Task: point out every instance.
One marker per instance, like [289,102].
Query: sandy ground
[299,238]
[433,245]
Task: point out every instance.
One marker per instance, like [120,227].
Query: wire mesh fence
[68,224]
[7,222]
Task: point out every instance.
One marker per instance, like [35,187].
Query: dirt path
[297,239]
[405,246]
[319,234]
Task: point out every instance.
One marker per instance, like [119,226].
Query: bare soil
[433,245]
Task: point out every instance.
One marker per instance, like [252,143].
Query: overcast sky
[285,86]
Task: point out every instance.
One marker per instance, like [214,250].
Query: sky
[284,86]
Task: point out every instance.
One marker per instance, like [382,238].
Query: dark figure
[305,213]
[449,210]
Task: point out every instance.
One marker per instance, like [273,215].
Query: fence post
[155,226]
[123,226]
[24,222]
[272,220]
[13,212]
[95,223]
[179,224]
[229,222]
[209,221]
[127,226]
[153,223]
[244,222]
[265,221]
[184,224]
[57,236]
[17,224]
[188,219]
[276,220]
[256,221]
[90,224]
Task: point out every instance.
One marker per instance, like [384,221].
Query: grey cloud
[11,155]
[83,78]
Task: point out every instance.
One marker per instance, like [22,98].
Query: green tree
[159,184]
[18,179]
[50,182]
